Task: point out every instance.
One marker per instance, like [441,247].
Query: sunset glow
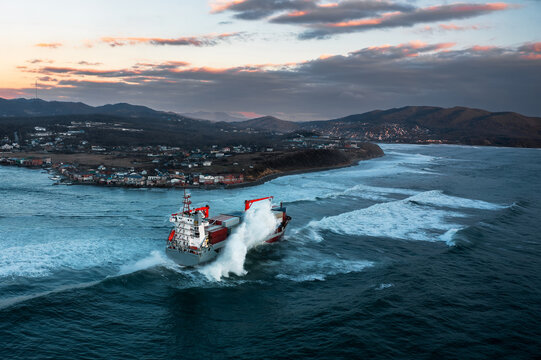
[267,46]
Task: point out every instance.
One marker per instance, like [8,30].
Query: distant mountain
[127,110]
[410,124]
[457,124]
[214,116]
[269,123]
[37,107]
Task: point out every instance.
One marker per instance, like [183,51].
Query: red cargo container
[215,236]
[221,219]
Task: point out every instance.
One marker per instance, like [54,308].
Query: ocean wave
[11,301]
[42,259]
[425,216]
[299,270]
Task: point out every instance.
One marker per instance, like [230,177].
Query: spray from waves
[154,259]
[419,217]
[259,222]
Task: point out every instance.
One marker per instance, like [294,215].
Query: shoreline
[259,181]
[270,177]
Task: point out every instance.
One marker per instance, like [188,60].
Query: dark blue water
[428,252]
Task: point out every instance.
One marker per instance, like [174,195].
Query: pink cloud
[249,114]
[483,48]
[221,5]
[204,40]
[13,93]
[531,51]
[479,7]
[49,45]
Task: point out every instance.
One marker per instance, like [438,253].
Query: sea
[432,251]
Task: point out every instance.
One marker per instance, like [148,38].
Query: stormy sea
[428,252]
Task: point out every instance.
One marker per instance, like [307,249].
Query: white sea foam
[303,233]
[449,236]
[418,217]
[259,223]
[384,286]
[42,259]
[437,198]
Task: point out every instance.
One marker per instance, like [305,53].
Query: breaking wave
[425,216]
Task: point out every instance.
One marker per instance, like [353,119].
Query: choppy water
[429,252]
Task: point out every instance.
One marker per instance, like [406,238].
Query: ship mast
[186,203]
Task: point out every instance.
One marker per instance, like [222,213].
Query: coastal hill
[421,124]
[215,116]
[269,123]
[410,124]
[37,107]
[270,165]
[113,130]
[457,124]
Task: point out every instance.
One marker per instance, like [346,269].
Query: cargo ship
[198,238]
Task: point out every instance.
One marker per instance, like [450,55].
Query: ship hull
[194,258]
[186,258]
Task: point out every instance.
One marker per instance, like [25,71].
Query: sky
[294,59]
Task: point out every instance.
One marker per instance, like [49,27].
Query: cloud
[47,79]
[249,114]
[457,27]
[483,48]
[449,27]
[89,63]
[339,12]
[384,76]
[404,18]
[326,19]
[412,49]
[204,40]
[258,9]
[49,45]
[531,51]
[38,61]
[49,70]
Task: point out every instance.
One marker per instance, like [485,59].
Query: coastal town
[72,159]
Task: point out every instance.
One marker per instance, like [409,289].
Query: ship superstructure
[197,238]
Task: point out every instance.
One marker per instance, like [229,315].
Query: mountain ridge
[408,124]
[22,107]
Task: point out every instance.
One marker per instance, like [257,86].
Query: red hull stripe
[274,239]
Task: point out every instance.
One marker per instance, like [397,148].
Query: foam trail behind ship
[259,222]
